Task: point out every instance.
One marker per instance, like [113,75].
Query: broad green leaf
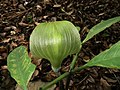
[110,58]
[55,41]
[20,66]
[100,27]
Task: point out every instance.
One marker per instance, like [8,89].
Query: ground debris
[18,18]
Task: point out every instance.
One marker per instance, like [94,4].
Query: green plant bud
[55,41]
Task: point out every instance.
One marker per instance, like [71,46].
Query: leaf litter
[19,18]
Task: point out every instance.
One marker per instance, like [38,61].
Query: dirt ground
[18,18]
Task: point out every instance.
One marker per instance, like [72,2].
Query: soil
[18,18]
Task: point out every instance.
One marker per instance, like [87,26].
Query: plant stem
[60,83]
[72,65]
[25,88]
[68,81]
[63,76]
[55,81]
[74,59]
[71,68]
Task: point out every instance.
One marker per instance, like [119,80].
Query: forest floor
[18,18]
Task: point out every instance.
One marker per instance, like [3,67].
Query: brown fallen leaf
[57,5]
[105,84]
[2,49]
[35,85]
[110,80]
[6,40]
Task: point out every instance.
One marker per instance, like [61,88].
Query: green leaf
[110,58]
[20,66]
[100,27]
[55,41]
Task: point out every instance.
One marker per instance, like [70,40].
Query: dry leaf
[36,85]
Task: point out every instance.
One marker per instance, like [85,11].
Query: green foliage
[55,41]
[109,58]
[100,27]
[20,66]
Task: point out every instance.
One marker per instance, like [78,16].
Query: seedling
[55,41]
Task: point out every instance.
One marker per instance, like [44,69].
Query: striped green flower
[55,41]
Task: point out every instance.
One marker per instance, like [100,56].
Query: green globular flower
[55,41]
